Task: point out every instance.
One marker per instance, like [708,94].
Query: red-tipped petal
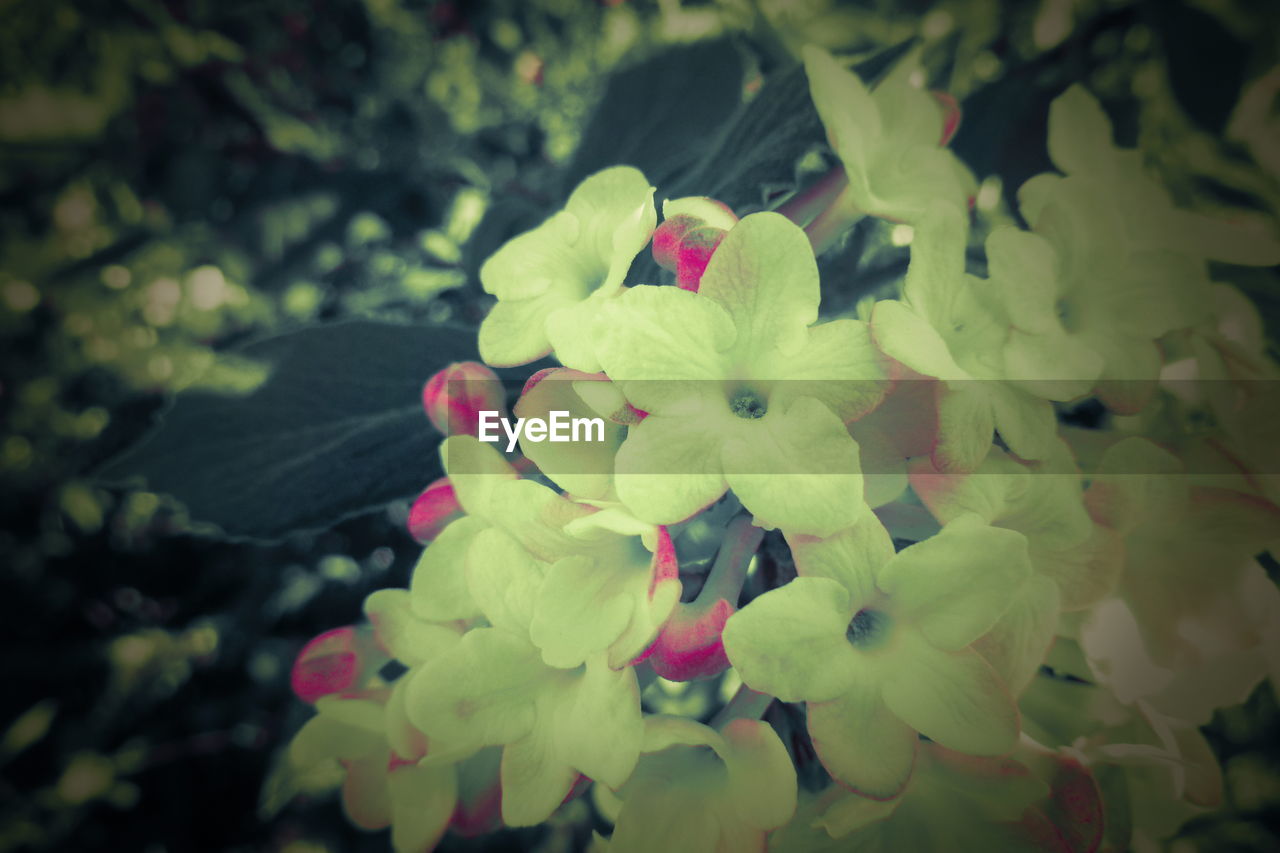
[665,565]
[434,509]
[950,115]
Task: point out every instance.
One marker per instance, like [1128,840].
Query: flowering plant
[942,557]
[832,576]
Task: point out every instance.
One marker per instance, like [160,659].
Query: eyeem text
[558,427]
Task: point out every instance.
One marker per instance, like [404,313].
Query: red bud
[433,510]
[689,235]
[334,662]
[454,397]
[689,645]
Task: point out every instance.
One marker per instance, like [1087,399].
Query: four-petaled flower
[877,645]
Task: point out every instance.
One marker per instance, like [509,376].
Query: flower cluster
[928,613]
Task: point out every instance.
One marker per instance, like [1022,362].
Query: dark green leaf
[758,150]
[337,429]
[1004,130]
[661,114]
[1206,62]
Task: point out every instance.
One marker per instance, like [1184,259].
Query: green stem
[644,675]
[746,704]
[837,218]
[807,205]
[729,572]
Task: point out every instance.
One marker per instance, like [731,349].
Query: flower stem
[746,704]
[807,205]
[729,572]
[833,221]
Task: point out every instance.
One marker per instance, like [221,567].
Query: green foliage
[336,398]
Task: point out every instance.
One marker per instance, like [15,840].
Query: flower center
[868,628]
[1067,315]
[748,404]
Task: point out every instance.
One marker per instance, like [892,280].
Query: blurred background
[178,177]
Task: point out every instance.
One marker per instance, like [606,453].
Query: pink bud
[333,662]
[689,235]
[624,414]
[434,509]
[668,237]
[689,645]
[454,397]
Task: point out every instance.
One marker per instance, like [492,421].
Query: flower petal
[797,470]
[965,427]
[954,586]
[477,694]
[1079,133]
[422,801]
[514,333]
[405,637]
[663,345]
[503,579]
[617,215]
[1027,425]
[669,468]
[762,780]
[582,607]
[862,744]
[906,336]
[599,727]
[764,275]
[1016,645]
[790,642]
[954,698]
[438,587]
[853,557]
[535,777]
[839,366]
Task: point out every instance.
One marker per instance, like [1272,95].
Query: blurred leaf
[336,430]
[759,148]
[1206,62]
[661,114]
[1004,129]
[30,727]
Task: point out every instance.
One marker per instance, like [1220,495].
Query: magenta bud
[668,237]
[334,662]
[455,396]
[434,509]
[689,646]
[689,235]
